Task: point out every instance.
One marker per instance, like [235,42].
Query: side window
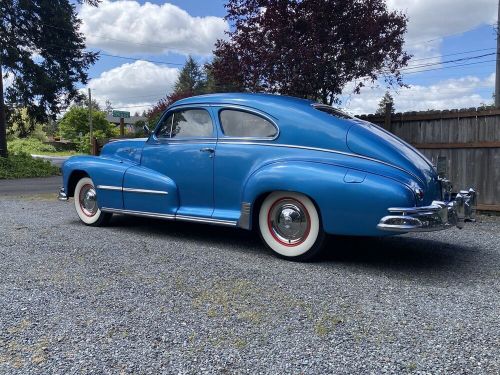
[236,123]
[166,125]
[186,124]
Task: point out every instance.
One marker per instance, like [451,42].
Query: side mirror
[146,130]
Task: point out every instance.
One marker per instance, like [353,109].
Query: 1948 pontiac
[290,168]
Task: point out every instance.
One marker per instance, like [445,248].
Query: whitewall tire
[86,204]
[290,225]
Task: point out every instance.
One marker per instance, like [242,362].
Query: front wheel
[290,226]
[86,204]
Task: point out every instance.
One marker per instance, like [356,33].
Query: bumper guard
[438,216]
[62,195]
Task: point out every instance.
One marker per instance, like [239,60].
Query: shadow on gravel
[401,253]
[387,254]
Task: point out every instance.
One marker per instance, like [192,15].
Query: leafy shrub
[23,166]
[28,146]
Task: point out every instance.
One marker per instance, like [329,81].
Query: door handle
[207,149]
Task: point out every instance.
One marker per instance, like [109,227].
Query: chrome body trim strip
[322,150]
[145,191]
[138,213]
[109,187]
[131,190]
[207,220]
[154,215]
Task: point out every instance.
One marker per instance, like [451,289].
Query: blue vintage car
[291,169]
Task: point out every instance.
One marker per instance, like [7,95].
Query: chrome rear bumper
[438,216]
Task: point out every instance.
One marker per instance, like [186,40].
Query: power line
[454,54]
[140,59]
[449,61]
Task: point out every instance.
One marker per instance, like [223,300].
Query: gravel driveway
[148,297]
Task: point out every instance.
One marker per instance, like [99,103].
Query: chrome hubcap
[289,222]
[88,200]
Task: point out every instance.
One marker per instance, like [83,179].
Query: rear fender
[349,202]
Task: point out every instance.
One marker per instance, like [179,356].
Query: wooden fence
[464,144]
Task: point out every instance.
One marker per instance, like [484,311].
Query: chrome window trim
[267,117]
[131,190]
[324,150]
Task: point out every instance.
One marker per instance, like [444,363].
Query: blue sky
[167,31]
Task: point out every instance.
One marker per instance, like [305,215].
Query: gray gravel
[147,297]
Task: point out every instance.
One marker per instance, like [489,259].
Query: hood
[367,139]
[125,149]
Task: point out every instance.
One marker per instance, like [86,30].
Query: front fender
[350,202]
[102,171]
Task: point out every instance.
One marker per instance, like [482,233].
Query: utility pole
[497,82]
[90,117]
[3,125]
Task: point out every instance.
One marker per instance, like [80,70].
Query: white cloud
[446,94]
[434,20]
[128,27]
[134,86]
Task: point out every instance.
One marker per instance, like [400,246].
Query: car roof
[269,103]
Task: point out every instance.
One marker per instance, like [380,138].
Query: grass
[24,166]
[58,153]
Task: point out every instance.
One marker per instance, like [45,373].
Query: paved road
[149,297]
[56,160]
[30,186]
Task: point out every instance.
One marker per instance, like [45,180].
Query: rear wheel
[290,226]
[86,204]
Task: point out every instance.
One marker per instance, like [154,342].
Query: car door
[182,148]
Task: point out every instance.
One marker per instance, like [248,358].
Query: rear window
[241,124]
[332,111]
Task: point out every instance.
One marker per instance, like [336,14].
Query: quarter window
[243,124]
[188,123]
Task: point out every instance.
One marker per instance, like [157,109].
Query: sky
[156,36]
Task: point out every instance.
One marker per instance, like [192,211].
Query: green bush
[74,124]
[23,166]
[28,146]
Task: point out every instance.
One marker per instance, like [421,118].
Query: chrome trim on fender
[108,187]
[131,190]
[145,191]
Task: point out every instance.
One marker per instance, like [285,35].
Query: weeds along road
[145,296]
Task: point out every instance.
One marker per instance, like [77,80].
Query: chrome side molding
[154,215]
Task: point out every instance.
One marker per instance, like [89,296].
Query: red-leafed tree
[309,48]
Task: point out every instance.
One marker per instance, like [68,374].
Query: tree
[20,124]
[42,48]
[191,78]
[75,125]
[310,48]
[383,102]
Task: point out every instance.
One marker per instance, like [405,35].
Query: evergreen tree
[42,48]
[191,79]
[383,102]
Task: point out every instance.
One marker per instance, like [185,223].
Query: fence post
[388,115]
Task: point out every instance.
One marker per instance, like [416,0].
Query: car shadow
[397,254]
